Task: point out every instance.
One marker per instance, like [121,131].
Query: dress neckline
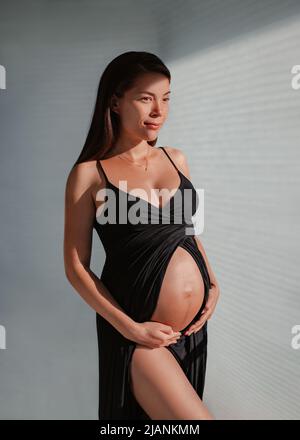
[159,208]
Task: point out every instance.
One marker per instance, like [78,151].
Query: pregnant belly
[182,291]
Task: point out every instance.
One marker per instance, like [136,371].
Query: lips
[152,124]
[152,127]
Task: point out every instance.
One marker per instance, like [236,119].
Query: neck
[134,153]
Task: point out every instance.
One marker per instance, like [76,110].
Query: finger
[161,336]
[169,342]
[157,341]
[206,316]
[174,335]
[171,333]
[174,341]
[203,317]
[170,339]
[167,330]
[196,323]
[200,321]
[174,338]
[196,328]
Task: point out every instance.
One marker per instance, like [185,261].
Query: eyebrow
[153,94]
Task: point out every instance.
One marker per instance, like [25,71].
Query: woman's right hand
[153,334]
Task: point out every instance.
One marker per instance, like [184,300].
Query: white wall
[236,115]
[54,54]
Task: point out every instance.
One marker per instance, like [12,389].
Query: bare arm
[181,162]
[78,228]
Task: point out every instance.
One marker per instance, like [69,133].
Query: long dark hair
[117,78]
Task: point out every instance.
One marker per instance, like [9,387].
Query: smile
[152,126]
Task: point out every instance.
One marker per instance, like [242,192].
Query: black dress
[137,256]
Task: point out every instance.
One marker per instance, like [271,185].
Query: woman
[157,289]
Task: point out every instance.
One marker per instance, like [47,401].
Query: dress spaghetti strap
[106,178]
[169,158]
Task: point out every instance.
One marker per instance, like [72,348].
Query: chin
[151,139]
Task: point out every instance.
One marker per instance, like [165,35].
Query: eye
[148,97]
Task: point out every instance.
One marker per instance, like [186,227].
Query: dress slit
[185,352]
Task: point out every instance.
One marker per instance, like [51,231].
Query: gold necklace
[136,163]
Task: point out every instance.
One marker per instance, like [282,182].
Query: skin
[182,290]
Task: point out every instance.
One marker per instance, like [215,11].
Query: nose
[156,108]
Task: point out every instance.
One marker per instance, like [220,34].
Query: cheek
[137,115]
[135,121]
[141,111]
[132,118]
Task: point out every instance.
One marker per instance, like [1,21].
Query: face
[147,102]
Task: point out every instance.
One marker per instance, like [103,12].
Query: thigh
[161,387]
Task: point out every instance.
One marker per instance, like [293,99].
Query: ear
[114,104]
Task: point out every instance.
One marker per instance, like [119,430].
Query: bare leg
[161,387]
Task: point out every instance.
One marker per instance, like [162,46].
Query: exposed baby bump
[182,291]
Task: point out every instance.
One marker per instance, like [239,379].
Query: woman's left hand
[206,313]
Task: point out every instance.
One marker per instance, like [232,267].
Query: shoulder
[82,178]
[179,159]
